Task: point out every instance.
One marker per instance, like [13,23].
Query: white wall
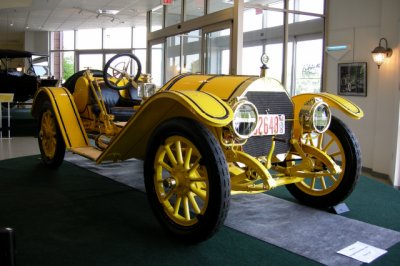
[12,40]
[361,23]
[37,42]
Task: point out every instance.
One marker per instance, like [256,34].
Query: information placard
[6,97]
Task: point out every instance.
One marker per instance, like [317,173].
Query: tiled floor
[24,146]
[18,147]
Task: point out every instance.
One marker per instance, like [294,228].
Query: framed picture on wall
[352,79]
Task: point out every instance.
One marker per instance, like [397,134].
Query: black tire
[106,76]
[51,142]
[212,164]
[346,181]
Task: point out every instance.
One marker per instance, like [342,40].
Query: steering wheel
[116,71]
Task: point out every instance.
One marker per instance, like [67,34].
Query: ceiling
[57,15]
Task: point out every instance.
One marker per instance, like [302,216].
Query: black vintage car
[18,76]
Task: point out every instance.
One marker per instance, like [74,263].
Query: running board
[89,152]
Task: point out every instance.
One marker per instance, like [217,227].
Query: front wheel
[187,180]
[328,190]
[51,142]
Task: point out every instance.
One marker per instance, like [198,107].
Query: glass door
[217,44]
[157,63]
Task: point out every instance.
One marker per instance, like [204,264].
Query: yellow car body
[301,158]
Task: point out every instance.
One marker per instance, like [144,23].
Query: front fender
[132,141]
[334,101]
[340,103]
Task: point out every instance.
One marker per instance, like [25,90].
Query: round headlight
[315,115]
[245,118]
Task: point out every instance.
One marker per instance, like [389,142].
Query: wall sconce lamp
[380,53]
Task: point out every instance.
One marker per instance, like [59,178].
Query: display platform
[73,216]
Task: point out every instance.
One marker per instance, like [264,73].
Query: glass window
[251,61]
[266,3]
[156,18]
[88,39]
[191,48]
[316,7]
[218,49]
[173,56]
[194,9]
[92,61]
[275,63]
[217,5]
[173,13]
[139,39]
[308,66]
[311,6]
[273,18]
[252,19]
[117,37]
[67,40]
[141,54]
[157,64]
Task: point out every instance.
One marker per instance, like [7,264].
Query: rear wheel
[51,142]
[328,190]
[187,180]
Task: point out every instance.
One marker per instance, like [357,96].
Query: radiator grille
[273,103]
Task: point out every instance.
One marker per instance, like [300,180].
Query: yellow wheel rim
[325,184]
[48,134]
[181,182]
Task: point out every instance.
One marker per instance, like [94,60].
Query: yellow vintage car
[203,139]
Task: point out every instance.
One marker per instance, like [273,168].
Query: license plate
[270,125]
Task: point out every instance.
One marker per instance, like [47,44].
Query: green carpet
[72,216]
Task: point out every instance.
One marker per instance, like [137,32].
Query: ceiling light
[379,54]
[107,12]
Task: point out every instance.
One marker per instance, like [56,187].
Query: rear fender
[133,139]
[66,113]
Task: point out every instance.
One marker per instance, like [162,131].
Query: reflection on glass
[308,66]
[156,18]
[191,52]
[157,64]
[117,37]
[217,5]
[91,61]
[218,48]
[194,9]
[173,56]
[88,39]
[173,13]
[67,40]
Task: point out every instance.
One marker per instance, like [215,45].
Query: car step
[89,152]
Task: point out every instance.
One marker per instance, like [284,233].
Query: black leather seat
[121,108]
